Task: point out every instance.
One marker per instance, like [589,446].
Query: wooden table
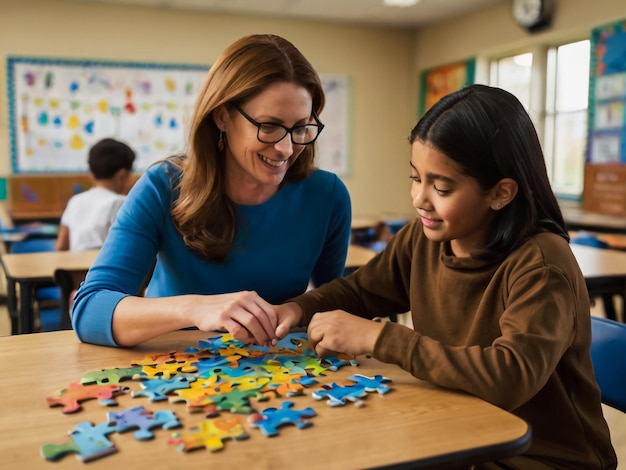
[31,269]
[358,256]
[578,219]
[605,273]
[416,425]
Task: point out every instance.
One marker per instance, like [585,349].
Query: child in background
[382,235]
[499,305]
[88,216]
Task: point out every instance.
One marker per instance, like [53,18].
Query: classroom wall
[493,32]
[384,64]
[383,96]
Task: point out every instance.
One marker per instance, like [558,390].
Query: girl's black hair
[490,136]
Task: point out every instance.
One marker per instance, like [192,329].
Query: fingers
[252,319]
[288,315]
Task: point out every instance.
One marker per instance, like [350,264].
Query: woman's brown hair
[203,214]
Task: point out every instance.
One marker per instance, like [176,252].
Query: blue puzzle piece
[293,341]
[89,442]
[143,420]
[271,418]
[337,395]
[372,384]
[157,389]
[335,363]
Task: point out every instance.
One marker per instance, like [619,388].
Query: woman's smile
[273,163]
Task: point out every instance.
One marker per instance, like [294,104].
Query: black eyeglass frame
[288,130]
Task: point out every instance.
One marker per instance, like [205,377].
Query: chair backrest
[33,245]
[68,280]
[608,354]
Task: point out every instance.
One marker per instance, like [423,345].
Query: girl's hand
[340,332]
[289,315]
[245,315]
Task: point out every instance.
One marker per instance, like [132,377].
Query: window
[513,74]
[556,100]
[567,93]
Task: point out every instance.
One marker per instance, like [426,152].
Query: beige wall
[493,32]
[384,65]
[378,62]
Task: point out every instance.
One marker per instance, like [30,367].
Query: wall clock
[533,15]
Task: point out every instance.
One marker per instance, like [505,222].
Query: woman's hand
[340,332]
[245,315]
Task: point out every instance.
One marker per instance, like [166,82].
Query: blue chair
[48,297]
[608,354]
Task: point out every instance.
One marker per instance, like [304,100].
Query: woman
[499,306]
[241,220]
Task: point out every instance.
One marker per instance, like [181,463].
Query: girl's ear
[503,193]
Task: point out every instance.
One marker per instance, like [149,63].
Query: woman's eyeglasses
[271,133]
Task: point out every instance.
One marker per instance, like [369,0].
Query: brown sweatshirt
[515,334]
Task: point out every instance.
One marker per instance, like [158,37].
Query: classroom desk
[30,269]
[604,271]
[415,425]
[578,219]
[358,256]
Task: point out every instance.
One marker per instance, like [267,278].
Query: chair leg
[609,307]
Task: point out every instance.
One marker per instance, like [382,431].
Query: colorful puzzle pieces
[143,421]
[357,388]
[222,376]
[270,419]
[110,376]
[210,434]
[158,389]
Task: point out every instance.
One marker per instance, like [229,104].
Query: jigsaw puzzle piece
[209,434]
[295,341]
[110,376]
[337,362]
[311,365]
[236,401]
[158,389]
[338,395]
[199,396]
[371,384]
[75,393]
[270,419]
[143,421]
[89,442]
[222,341]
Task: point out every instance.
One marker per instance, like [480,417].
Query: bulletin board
[332,144]
[59,108]
[605,167]
[607,94]
[440,81]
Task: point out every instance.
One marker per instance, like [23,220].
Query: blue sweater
[300,234]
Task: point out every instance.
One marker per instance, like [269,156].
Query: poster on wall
[59,108]
[332,144]
[438,82]
[607,95]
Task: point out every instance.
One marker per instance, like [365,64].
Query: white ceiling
[363,12]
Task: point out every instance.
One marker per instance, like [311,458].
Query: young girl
[499,305]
